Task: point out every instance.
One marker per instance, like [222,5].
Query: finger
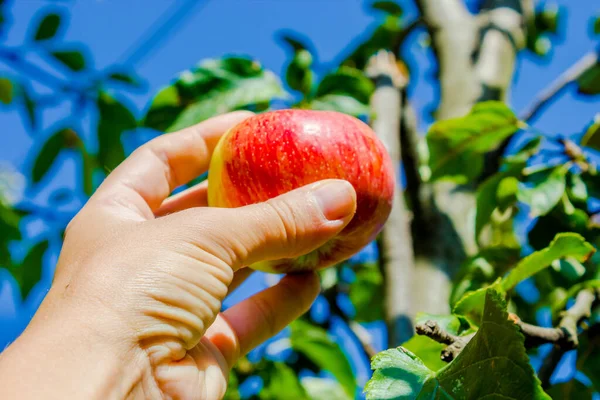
[286,227]
[239,277]
[260,317]
[196,196]
[144,180]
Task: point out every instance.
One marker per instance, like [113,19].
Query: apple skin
[272,153]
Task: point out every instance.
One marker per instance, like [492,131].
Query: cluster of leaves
[89,93]
[556,199]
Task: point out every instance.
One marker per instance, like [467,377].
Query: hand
[134,309]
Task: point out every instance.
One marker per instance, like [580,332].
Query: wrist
[73,351]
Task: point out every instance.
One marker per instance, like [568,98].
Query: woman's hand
[134,309]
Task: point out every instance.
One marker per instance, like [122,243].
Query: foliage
[493,364]
[556,199]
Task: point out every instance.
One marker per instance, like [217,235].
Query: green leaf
[121,77]
[558,306]
[316,345]
[6,90]
[569,268]
[399,374]
[576,188]
[214,87]
[547,188]
[232,392]
[494,364]
[589,81]
[489,195]
[9,230]
[589,355]
[347,81]
[564,245]
[389,7]
[572,389]
[457,146]
[164,109]
[591,138]
[30,108]
[71,59]
[48,154]
[298,74]
[340,103]
[596,25]
[364,294]
[323,389]
[48,27]
[114,119]
[521,157]
[279,379]
[29,272]
[385,36]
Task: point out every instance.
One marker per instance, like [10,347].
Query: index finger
[146,178]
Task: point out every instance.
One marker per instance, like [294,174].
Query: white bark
[396,240]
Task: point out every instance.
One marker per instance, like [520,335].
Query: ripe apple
[274,152]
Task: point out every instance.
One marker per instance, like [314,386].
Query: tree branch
[564,336]
[559,85]
[453,33]
[395,243]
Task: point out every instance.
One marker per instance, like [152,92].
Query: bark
[476,58]
[395,243]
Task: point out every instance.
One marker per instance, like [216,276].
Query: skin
[134,310]
[278,151]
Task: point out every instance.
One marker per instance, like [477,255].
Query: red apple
[272,153]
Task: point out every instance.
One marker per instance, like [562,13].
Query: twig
[455,343]
[564,336]
[568,339]
[559,84]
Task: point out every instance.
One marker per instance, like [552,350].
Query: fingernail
[336,199]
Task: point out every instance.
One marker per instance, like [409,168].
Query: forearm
[62,356]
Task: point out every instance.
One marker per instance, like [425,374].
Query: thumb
[288,226]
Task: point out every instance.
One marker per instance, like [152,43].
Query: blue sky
[212,28]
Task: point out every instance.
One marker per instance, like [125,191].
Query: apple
[274,152]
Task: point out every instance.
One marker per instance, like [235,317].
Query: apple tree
[486,274]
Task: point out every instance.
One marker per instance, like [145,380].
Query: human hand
[134,308]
